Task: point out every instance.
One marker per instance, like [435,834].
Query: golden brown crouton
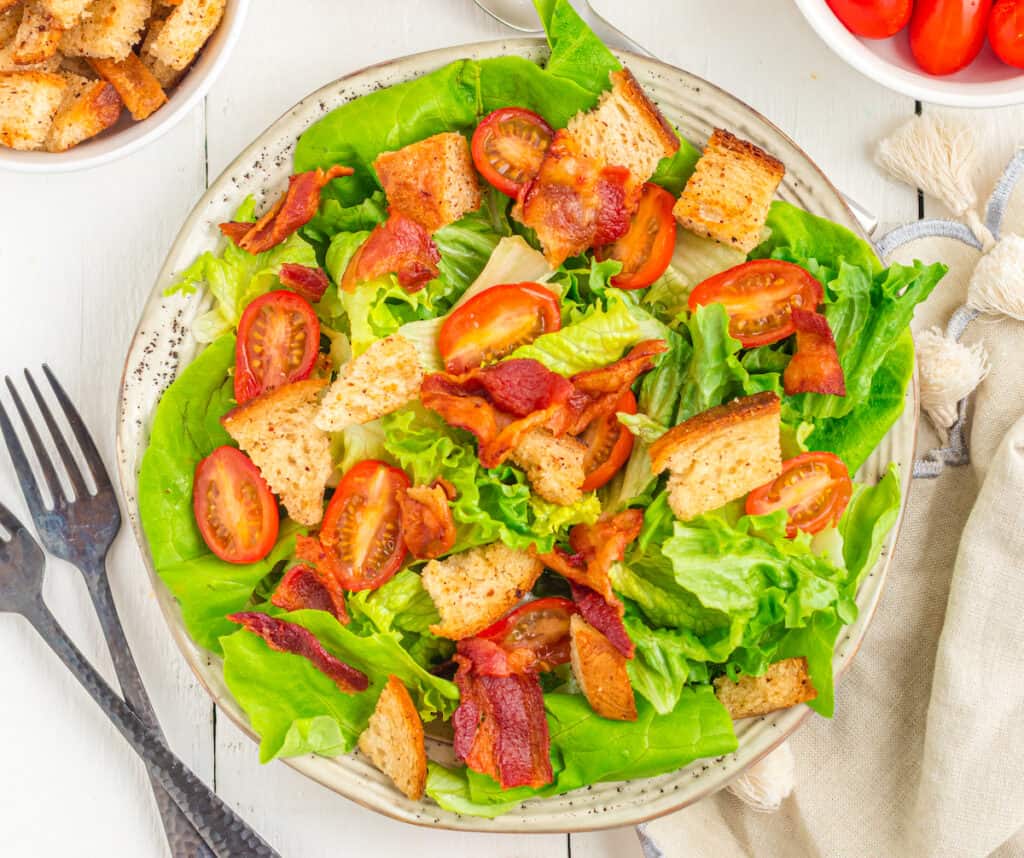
[6,5]
[65,12]
[276,431]
[140,91]
[784,684]
[554,466]
[89,107]
[728,196]
[108,29]
[28,102]
[7,63]
[625,129]
[185,32]
[600,670]
[721,454]
[38,36]
[166,75]
[431,182]
[393,740]
[10,20]
[476,587]
[382,379]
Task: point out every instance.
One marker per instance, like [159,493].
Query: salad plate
[165,344]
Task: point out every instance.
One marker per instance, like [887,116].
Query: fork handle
[182,837]
[226,832]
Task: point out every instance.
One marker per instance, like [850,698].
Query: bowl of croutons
[83,82]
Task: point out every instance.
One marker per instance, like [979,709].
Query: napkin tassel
[767,783]
[949,372]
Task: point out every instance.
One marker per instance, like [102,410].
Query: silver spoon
[522,16]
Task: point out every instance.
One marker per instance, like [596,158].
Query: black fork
[22,564]
[80,527]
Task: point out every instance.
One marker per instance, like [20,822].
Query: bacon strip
[310,283]
[815,367]
[309,550]
[428,527]
[500,726]
[603,615]
[301,589]
[597,391]
[288,637]
[235,230]
[398,246]
[295,208]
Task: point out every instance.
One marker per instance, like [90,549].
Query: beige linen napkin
[925,755]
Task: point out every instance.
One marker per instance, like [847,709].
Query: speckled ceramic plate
[163,345]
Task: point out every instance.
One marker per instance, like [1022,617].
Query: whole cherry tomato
[872,19]
[946,35]
[1006,31]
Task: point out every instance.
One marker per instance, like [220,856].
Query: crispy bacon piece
[235,230]
[603,615]
[309,550]
[398,246]
[815,367]
[428,527]
[295,208]
[297,640]
[575,202]
[500,726]
[596,391]
[301,588]
[310,283]
[519,386]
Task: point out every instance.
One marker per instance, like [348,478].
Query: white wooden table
[78,256]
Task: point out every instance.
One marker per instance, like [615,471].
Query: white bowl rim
[165,119]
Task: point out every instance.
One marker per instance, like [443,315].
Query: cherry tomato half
[234,507]
[646,249]
[362,528]
[872,19]
[1006,31]
[814,488]
[495,323]
[541,626]
[758,297]
[608,443]
[278,341]
[508,146]
[946,35]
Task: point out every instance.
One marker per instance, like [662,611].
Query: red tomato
[646,249]
[946,35]
[234,507]
[541,626]
[1006,31]
[362,528]
[872,19]
[758,297]
[278,341]
[814,488]
[495,323]
[608,443]
[508,146]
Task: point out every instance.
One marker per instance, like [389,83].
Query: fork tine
[82,435]
[70,465]
[22,466]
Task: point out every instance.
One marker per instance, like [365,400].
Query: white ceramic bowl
[128,136]
[986,82]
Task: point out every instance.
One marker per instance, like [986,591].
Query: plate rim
[194,655]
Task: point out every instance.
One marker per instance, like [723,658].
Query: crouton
[600,670]
[185,32]
[554,466]
[393,741]
[8,64]
[6,5]
[65,12]
[276,431]
[382,379]
[474,588]
[38,36]
[625,129]
[728,196]
[108,30]
[431,182]
[89,107]
[10,20]
[166,75]
[721,454]
[784,684]
[28,102]
[140,91]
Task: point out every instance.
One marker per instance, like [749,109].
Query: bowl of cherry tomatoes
[961,53]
